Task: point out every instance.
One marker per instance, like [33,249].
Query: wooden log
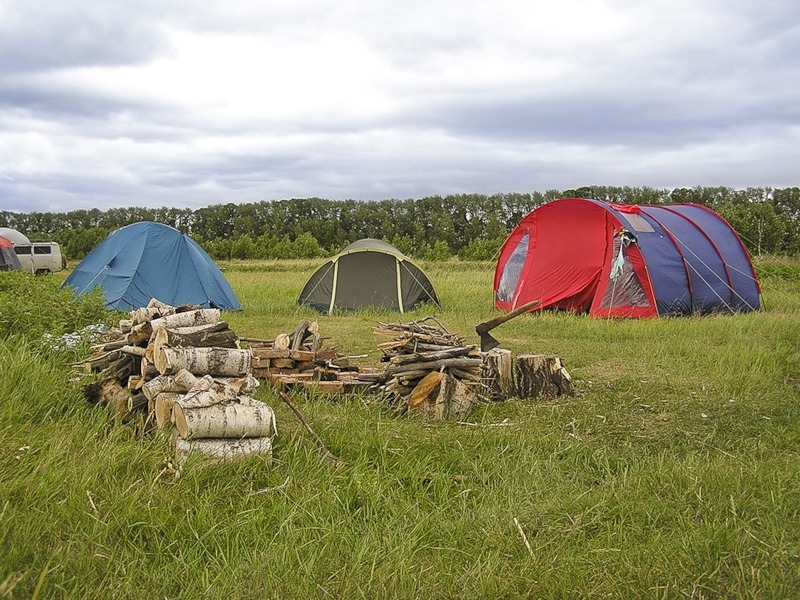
[538,375]
[223,449]
[282,341]
[245,417]
[497,373]
[269,353]
[201,316]
[133,350]
[299,334]
[163,408]
[142,315]
[224,362]
[137,402]
[403,359]
[435,365]
[214,334]
[181,382]
[147,369]
[445,397]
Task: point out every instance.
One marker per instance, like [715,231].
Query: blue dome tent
[150,260]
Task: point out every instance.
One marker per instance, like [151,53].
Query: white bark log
[190,318]
[181,382]
[246,417]
[223,362]
[223,449]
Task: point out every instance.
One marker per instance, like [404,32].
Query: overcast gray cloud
[107,103]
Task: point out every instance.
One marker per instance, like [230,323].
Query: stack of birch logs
[183,365]
[297,360]
[430,370]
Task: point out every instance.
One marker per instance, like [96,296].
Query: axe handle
[492,323]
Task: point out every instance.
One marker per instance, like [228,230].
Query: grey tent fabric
[368,273]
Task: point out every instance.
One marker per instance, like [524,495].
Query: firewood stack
[298,360]
[430,369]
[182,365]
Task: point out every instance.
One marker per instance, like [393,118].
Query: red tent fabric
[612,260]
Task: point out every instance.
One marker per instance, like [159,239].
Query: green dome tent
[368,272]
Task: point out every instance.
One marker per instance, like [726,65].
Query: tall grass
[673,472]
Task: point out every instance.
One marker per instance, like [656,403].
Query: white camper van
[40,257]
[35,257]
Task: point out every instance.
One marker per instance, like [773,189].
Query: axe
[483,329]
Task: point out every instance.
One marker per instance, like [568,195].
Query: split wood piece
[223,449]
[148,369]
[435,365]
[497,373]
[191,318]
[125,325]
[133,350]
[163,408]
[471,351]
[540,375]
[223,362]
[269,353]
[245,417]
[180,382]
[110,345]
[442,397]
[299,334]
[100,362]
[282,340]
[140,334]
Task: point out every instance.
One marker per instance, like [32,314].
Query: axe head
[487,341]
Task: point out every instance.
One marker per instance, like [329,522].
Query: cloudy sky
[182,103]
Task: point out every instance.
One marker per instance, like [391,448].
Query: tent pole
[399,287]
[335,283]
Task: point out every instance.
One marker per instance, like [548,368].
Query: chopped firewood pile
[297,360]
[183,366]
[430,369]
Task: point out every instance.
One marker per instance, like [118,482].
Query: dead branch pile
[298,360]
[429,369]
[182,365]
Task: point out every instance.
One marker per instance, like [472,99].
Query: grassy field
[673,472]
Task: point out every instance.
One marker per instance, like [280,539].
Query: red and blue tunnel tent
[614,260]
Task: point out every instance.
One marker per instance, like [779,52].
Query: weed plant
[673,472]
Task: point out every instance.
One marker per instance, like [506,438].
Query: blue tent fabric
[148,260]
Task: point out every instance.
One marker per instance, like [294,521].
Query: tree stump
[497,374]
[440,396]
[538,375]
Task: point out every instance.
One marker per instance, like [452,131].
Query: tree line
[471,226]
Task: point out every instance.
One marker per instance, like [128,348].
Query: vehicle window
[42,250]
[22,249]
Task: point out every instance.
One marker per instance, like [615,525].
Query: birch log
[191,318]
[246,417]
[223,449]
[181,382]
[214,334]
[163,408]
[222,362]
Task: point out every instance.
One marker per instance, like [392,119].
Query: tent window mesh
[624,289]
[512,271]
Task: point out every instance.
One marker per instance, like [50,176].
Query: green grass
[674,472]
